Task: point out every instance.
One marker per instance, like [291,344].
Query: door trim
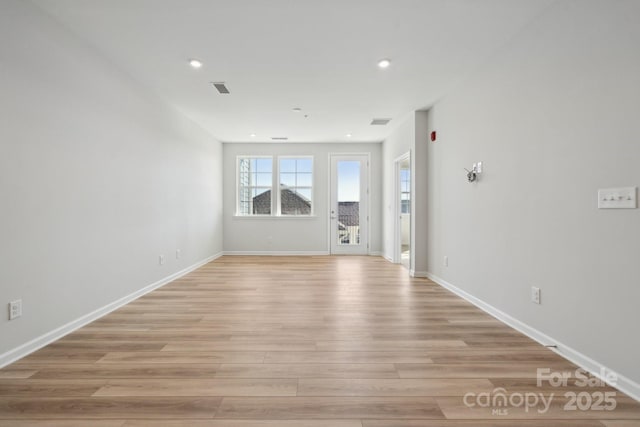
[397,210]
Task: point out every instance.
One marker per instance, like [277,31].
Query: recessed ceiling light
[384,63]
[297,110]
[253,135]
[195,63]
[348,135]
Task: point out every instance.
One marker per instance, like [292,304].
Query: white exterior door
[349,204]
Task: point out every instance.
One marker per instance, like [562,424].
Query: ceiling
[276,55]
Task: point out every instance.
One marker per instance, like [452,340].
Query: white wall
[401,141]
[97,178]
[419,206]
[554,117]
[405,229]
[279,234]
[409,136]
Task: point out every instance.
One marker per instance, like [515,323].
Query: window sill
[275,216]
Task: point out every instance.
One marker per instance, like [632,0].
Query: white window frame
[273,181]
[312,188]
[275,184]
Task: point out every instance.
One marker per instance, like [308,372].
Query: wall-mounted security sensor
[476,169]
[471,175]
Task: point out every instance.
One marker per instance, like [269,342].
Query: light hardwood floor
[293,341]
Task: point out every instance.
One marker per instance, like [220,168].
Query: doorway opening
[403,253]
[349,204]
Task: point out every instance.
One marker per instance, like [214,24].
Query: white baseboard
[287,253]
[624,384]
[277,253]
[414,273]
[51,336]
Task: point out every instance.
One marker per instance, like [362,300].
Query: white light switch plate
[617,198]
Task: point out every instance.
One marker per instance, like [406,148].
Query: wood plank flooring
[294,342]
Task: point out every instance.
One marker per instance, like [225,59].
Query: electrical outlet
[178,254]
[161,260]
[535,295]
[15,309]
[446,261]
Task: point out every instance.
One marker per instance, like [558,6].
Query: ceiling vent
[221,87]
[380,122]
[279,138]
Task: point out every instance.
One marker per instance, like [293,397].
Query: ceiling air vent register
[221,87]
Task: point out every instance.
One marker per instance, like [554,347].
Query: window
[294,181]
[405,191]
[255,182]
[296,185]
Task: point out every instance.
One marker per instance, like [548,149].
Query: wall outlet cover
[15,309]
[535,294]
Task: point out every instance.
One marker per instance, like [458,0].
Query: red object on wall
[433,136]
